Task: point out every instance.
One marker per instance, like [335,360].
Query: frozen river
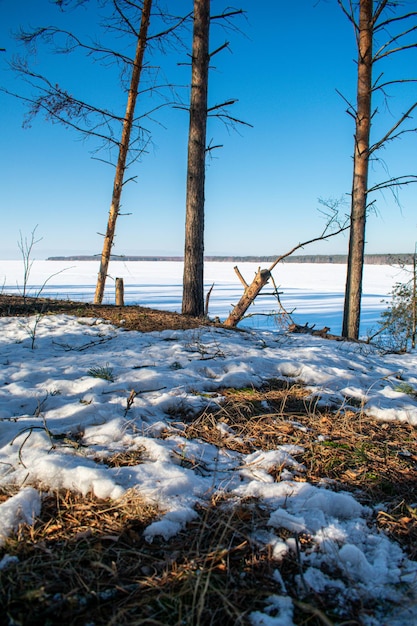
[313,292]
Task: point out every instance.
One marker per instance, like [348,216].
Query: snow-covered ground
[314,291]
[47,391]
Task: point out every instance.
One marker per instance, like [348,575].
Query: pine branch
[387,136]
[397,181]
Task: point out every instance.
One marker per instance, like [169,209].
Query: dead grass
[132,317]
[375,460]
[78,556]
[85,562]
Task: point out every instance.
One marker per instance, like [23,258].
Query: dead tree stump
[120,292]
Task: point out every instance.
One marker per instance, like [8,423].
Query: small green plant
[397,329]
[398,324]
[101,371]
[406,388]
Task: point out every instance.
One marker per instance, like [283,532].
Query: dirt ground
[130,317]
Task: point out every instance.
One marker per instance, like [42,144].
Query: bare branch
[212,147]
[125,19]
[349,14]
[351,110]
[324,236]
[65,121]
[397,181]
[389,134]
[50,34]
[263,276]
[220,106]
[391,20]
[220,48]
[227,13]
[225,118]
[171,29]
[378,10]
[378,57]
[381,86]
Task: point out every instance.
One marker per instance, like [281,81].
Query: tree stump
[120,292]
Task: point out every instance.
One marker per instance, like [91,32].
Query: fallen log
[310,330]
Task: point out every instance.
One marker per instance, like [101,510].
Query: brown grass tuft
[375,460]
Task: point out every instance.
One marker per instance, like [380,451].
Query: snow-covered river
[313,292]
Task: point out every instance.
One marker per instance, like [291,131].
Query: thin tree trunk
[353,292]
[414,302]
[123,151]
[193,279]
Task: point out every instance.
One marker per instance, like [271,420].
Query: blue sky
[263,187]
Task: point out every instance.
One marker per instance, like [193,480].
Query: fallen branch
[68,348]
[263,276]
[310,330]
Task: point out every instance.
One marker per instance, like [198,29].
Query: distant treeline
[370,259]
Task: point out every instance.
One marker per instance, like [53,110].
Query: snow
[280,604]
[314,290]
[19,509]
[47,397]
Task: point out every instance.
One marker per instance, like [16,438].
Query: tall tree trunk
[193,279]
[123,151]
[353,293]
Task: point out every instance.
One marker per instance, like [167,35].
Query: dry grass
[137,318]
[79,555]
[376,460]
[85,561]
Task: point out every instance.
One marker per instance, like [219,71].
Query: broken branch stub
[251,291]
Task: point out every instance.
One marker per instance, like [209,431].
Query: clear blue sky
[262,187]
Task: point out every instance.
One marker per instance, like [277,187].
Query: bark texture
[193,279]
[123,152]
[120,291]
[353,292]
[260,280]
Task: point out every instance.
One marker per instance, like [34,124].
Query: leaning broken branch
[262,276]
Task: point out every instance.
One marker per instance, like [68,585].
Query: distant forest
[370,259]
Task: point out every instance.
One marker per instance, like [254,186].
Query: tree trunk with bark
[123,152]
[193,279]
[251,291]
[353,292]
[119,292]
